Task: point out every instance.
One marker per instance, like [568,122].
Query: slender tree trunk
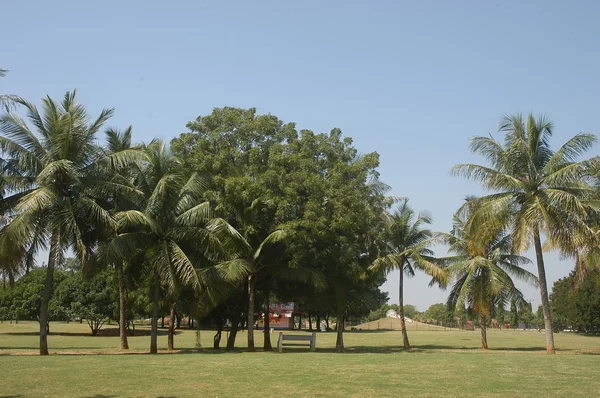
[544,292]
[339,342]
[154,332]
[327,322]
[232,335]
[251,286]
[44,319]
[318,323]
[401,309]
[267,330]
[122,308]
[171,338]
[162,322]
[310,328]
[217,336]
[484,345]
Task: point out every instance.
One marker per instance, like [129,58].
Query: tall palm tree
[56,180]
[167,228]
[408,248]
[535,190]
[481,270]
[118,141]
[8,101]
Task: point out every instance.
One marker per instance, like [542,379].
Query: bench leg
[313,342]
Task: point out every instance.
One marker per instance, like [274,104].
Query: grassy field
[446,363]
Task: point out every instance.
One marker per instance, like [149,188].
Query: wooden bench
[312,339]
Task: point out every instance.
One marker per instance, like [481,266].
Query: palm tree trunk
[484,345]
[267,330]
[44,318]
[171,338]
[122,308]
[544,292]
[251,286]
[339,342]
[154,332]
[401,309]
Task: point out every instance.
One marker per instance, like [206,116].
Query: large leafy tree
[482,271]
[168,229]
[337,201]
[55,178]
[535,190]
[408,247]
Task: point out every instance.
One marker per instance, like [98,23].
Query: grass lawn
[443,363]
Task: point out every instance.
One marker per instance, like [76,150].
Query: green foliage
[74,297]
[94,299]
[577,307]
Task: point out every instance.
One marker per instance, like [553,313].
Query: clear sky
[412,80]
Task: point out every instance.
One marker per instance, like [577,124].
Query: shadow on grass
[101,333]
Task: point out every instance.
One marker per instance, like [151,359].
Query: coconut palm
[8,101]
[408,248]
[482,270]
[167,229]
[117,141]
[535,190]
[255,264]
[54,177]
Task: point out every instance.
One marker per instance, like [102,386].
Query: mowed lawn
[443,363]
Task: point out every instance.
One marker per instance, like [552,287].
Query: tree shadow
[101,333]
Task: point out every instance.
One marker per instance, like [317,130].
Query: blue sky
[410,80]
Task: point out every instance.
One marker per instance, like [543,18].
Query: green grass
[443,363]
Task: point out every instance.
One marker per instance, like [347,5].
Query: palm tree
[535,190]
[8,101]
[167,229]
[118,141]
[408,248]
[55,182]
[482,270]
[255,265]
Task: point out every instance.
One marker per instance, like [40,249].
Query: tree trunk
[310,329]
[318,323]
[327,322]
[122,308]
[162,322]
[251,286]
[544,292]
[217,337]
[171,345]
[232,335]
[339,342]
[484,345]
[154,332]
[401,309]
[44,319]
[267,331]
